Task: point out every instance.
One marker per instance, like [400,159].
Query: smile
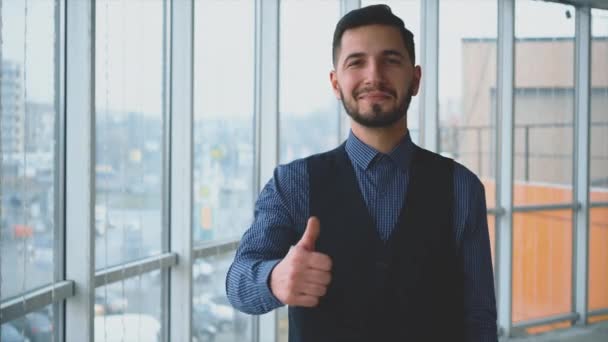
[375,96]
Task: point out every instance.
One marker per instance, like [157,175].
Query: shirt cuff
[269,301]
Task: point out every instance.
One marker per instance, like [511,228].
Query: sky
[129,44]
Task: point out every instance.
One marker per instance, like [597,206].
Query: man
[377,240]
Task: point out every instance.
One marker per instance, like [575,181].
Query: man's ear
[333,79]
[416,80]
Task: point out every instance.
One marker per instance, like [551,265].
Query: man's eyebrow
[354,55]
[385,53]
[392,53]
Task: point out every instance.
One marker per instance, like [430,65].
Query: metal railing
[450,142]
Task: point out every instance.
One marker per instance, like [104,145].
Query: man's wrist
[269,299]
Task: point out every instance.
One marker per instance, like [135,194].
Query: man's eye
[356,62]
[394,61]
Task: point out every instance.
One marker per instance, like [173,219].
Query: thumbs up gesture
[302,277]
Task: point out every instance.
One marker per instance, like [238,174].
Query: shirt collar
[365,156]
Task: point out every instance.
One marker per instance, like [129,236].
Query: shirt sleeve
[480,302]
[279,211]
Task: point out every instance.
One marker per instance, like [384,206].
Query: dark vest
[408,288]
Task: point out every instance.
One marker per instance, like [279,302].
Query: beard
[378,118]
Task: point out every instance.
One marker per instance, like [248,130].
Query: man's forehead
[371,39]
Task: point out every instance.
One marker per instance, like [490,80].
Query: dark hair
[372,15]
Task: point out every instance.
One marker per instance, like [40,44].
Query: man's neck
[382,139]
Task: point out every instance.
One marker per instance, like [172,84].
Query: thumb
[313,229]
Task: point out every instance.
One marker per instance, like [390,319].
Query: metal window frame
[36,300]
[80,167]
[267,124]
[214,248]
[429,91]
[133,269]
[181,197]
[59,242]
[572,316]
[546,207]
[504,161]
[599,312]
[166,167]
[581,164]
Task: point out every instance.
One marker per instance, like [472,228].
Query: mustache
[382,89]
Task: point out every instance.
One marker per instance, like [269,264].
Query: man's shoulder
[464,174]
[299,167]
[293,169]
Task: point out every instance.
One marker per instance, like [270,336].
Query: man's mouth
[375,96]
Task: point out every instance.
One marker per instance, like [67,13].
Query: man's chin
[376,121]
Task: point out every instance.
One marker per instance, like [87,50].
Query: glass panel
[213,318]
[129,129]
[598,259]
[467,105]
[542,264]
[224,152]
[37,326]
[409,12]
[308,109]
[282,324]
[598,234]
[544,103]
[129,310]
[27,145]
[599,106]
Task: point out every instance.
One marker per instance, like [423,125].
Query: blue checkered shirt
[383,180]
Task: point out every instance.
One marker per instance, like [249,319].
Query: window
[543,161]
[224,157]
[28,155]
[598,216]
[129,310]
[308,110]
[467,87]
[129,130]
[544,103]
[129,165]
[213,318]
[34,326]
[224,151]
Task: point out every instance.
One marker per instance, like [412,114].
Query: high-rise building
[12,123]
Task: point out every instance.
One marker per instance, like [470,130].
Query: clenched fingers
[317,277]
[311,289]
[319,261]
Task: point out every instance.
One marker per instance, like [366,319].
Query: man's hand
[301,278]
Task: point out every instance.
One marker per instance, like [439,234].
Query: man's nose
[374,73]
